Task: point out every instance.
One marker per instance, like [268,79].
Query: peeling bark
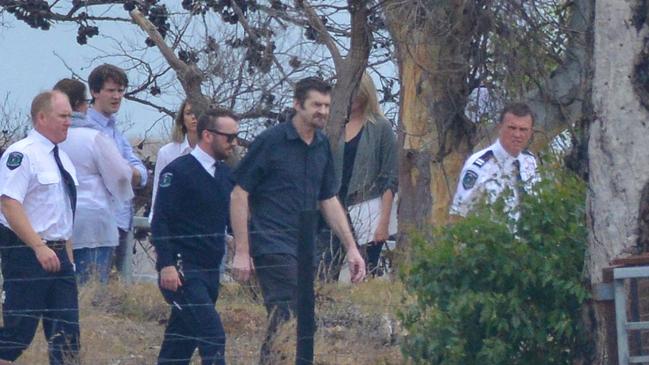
[618,156]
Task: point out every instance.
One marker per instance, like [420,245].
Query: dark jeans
[277,276]
[372,255]
[31,293]
[93,262]
[194,321]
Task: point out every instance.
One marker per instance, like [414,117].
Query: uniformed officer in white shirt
[505,165]
[38,199]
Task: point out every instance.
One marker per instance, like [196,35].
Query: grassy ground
[124,325]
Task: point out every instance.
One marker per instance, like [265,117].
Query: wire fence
[347,326]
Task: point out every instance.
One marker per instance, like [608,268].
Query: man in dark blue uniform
[38,199]
[288,169]
[189,226]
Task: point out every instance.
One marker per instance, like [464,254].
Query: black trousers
[31,293]
[277,276]
[194,321]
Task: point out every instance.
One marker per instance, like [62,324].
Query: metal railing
[623,325]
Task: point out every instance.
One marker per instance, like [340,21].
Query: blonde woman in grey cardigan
[366,165]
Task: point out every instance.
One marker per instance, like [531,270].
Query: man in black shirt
[288,169]
[189,225]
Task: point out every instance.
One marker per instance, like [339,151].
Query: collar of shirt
[100,118]
[184,145]
[502,156]
[41,140]
[291,133]
[204,159]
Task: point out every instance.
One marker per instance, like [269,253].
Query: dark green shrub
[484,295]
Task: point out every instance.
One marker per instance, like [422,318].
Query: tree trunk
[617,149]
[435,135]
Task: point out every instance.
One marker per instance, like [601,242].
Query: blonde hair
[367,94]
[179,130]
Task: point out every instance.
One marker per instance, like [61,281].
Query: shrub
[485,293]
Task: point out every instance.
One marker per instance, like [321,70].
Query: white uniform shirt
[29,174]
[488,173]
[166,154]
[104,180]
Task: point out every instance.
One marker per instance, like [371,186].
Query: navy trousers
[31,293]
[194,321]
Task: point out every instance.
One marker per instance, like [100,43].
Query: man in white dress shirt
[505,165]
[38,200]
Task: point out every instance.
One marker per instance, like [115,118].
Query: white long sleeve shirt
[104,181]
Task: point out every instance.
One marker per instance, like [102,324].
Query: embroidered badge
[14,160]
[469,179]
[165,179]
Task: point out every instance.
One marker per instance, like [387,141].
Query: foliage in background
[485,295]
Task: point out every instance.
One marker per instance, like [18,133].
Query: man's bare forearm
[239,219]
[336,218]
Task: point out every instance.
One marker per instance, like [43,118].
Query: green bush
[485,295]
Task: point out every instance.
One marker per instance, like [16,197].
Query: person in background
[183,139]
[505,165]
[104,179]
[366,164]
[107,86]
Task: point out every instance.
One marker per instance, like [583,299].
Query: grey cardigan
[375,164]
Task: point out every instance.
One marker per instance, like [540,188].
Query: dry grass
[124,325]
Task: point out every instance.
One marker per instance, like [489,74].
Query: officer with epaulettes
[505,165]
[38,198]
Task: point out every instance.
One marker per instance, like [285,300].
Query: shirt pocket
[48,188]
[48,177]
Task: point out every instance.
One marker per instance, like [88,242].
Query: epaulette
[527,152]
[480,161]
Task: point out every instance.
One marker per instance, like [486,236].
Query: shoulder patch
[165,179]
[480,161]
[14,160]
[469,179]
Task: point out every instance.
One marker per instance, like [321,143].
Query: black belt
[58,244]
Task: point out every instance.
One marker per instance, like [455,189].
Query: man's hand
[136,178]
[356,265]
[169,278]
[47,258]
[242,267]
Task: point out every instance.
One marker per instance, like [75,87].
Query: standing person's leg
[194,322]
[83,260]
[373,250]
[25,283]
[61,318]
[277,276]
[103,260]
[178,344]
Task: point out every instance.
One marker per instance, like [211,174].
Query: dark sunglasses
[230,136]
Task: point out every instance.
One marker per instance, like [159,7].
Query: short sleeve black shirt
[284,176]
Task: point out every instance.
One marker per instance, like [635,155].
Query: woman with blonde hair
[183,139]
[366,164]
